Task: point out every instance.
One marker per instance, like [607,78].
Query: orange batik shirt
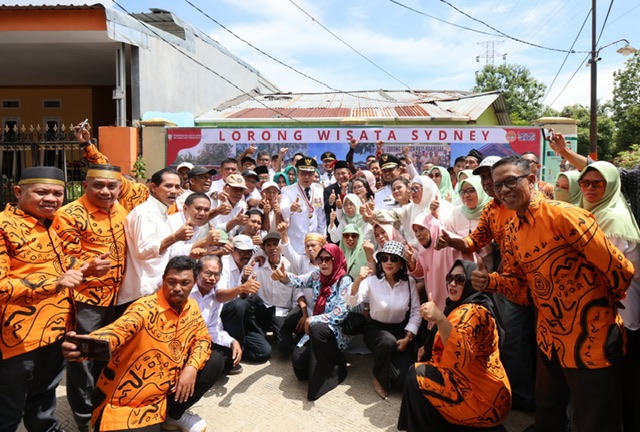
[33,313]
[132,193]
[574,275]
[469,385]
[151,344]
[88,232]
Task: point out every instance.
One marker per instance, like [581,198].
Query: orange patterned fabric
[150,344]
[465,380]
[574,275]
[33,314]
[132,193]
[88,232]
[547,189]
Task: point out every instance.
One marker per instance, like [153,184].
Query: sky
[394,48]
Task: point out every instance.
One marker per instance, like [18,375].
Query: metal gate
[34,146]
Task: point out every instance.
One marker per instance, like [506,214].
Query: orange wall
[120,145]
[29,19]
[76,104]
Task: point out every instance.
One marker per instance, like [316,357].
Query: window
[10,104]
[51,103]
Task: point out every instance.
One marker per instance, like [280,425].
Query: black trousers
[268,321]
[82,376]
[595,396]
[28,389]
[631,383]
[389,365]
[418,415]
[238,319]
[320,361]
[205,379]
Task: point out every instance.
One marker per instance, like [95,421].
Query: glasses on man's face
[468,191]
[210,274]
[509,183]
[324,259]
[350,235]
[458,278]
[384,258]
[435,175]
[596,184]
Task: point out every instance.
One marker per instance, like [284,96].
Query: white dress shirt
[210,309]
[389,305]
[384,198]
[145,227]
[274,293]
[300,224]
[220,221]
[300,264]
[231,274]
[183,247]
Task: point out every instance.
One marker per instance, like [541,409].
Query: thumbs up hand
[97,267]
[434,206]
[185,232]
[295,207]
[430,312]
[443,240]
[279,274]
[251,286]
[332,197]
[480,276]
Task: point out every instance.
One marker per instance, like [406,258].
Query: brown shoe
[379,389]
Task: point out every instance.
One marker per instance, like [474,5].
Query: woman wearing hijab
[360,187]
[441,178]
[318,356]
[430,264]
[292,174]
[349,215]
[462,386]
[394,308]
[281,179]
[465,217]
[383,232]
[601,195]
[567,188]
[371,180]
[351,244]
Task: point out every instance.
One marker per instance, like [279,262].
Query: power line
[586,18]
[441,20]
[283,63]
[150,28]
[506,35]
[604,24]
[570,79]
[347,44]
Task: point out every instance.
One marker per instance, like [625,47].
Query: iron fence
[36,146]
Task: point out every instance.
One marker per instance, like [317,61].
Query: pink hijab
[326,282]
[371,179]
[436,264]
[392,233]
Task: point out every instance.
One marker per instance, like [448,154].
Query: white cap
[269,184]
[185,165]
[242,242]
[486,162]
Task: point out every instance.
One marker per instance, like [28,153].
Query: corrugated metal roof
[375,105]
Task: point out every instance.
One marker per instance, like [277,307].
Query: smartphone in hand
[91,348]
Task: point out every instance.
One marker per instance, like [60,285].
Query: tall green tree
[523,93]
[606,129]
[626,103]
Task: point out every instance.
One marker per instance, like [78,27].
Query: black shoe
[236,370]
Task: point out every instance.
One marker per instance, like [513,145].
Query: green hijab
[468,173]
[356,257]
[286,172]
[446,188]
[483,198]
[612,211]
[357,219]
[574,194]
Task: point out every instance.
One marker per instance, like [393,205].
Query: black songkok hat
[261,169]
[388,161]
[307,164]
[42,174]
[476,154]
[340,164]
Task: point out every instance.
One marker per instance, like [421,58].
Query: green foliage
[606,129]
[626,103]
[523,93]
[139,169]
[629,158]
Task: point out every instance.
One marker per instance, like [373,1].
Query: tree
[606,129]
[626,103]
[523,93]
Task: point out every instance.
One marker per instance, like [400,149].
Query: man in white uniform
[390,166]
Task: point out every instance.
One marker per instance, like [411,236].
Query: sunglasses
[415,189]
[324,259]
[596,184]
[351,235]
[384,258]
[459,279]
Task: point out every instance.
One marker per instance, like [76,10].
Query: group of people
[476,287]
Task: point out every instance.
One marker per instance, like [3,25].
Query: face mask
[562,195]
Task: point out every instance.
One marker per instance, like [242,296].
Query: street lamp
[593,62]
